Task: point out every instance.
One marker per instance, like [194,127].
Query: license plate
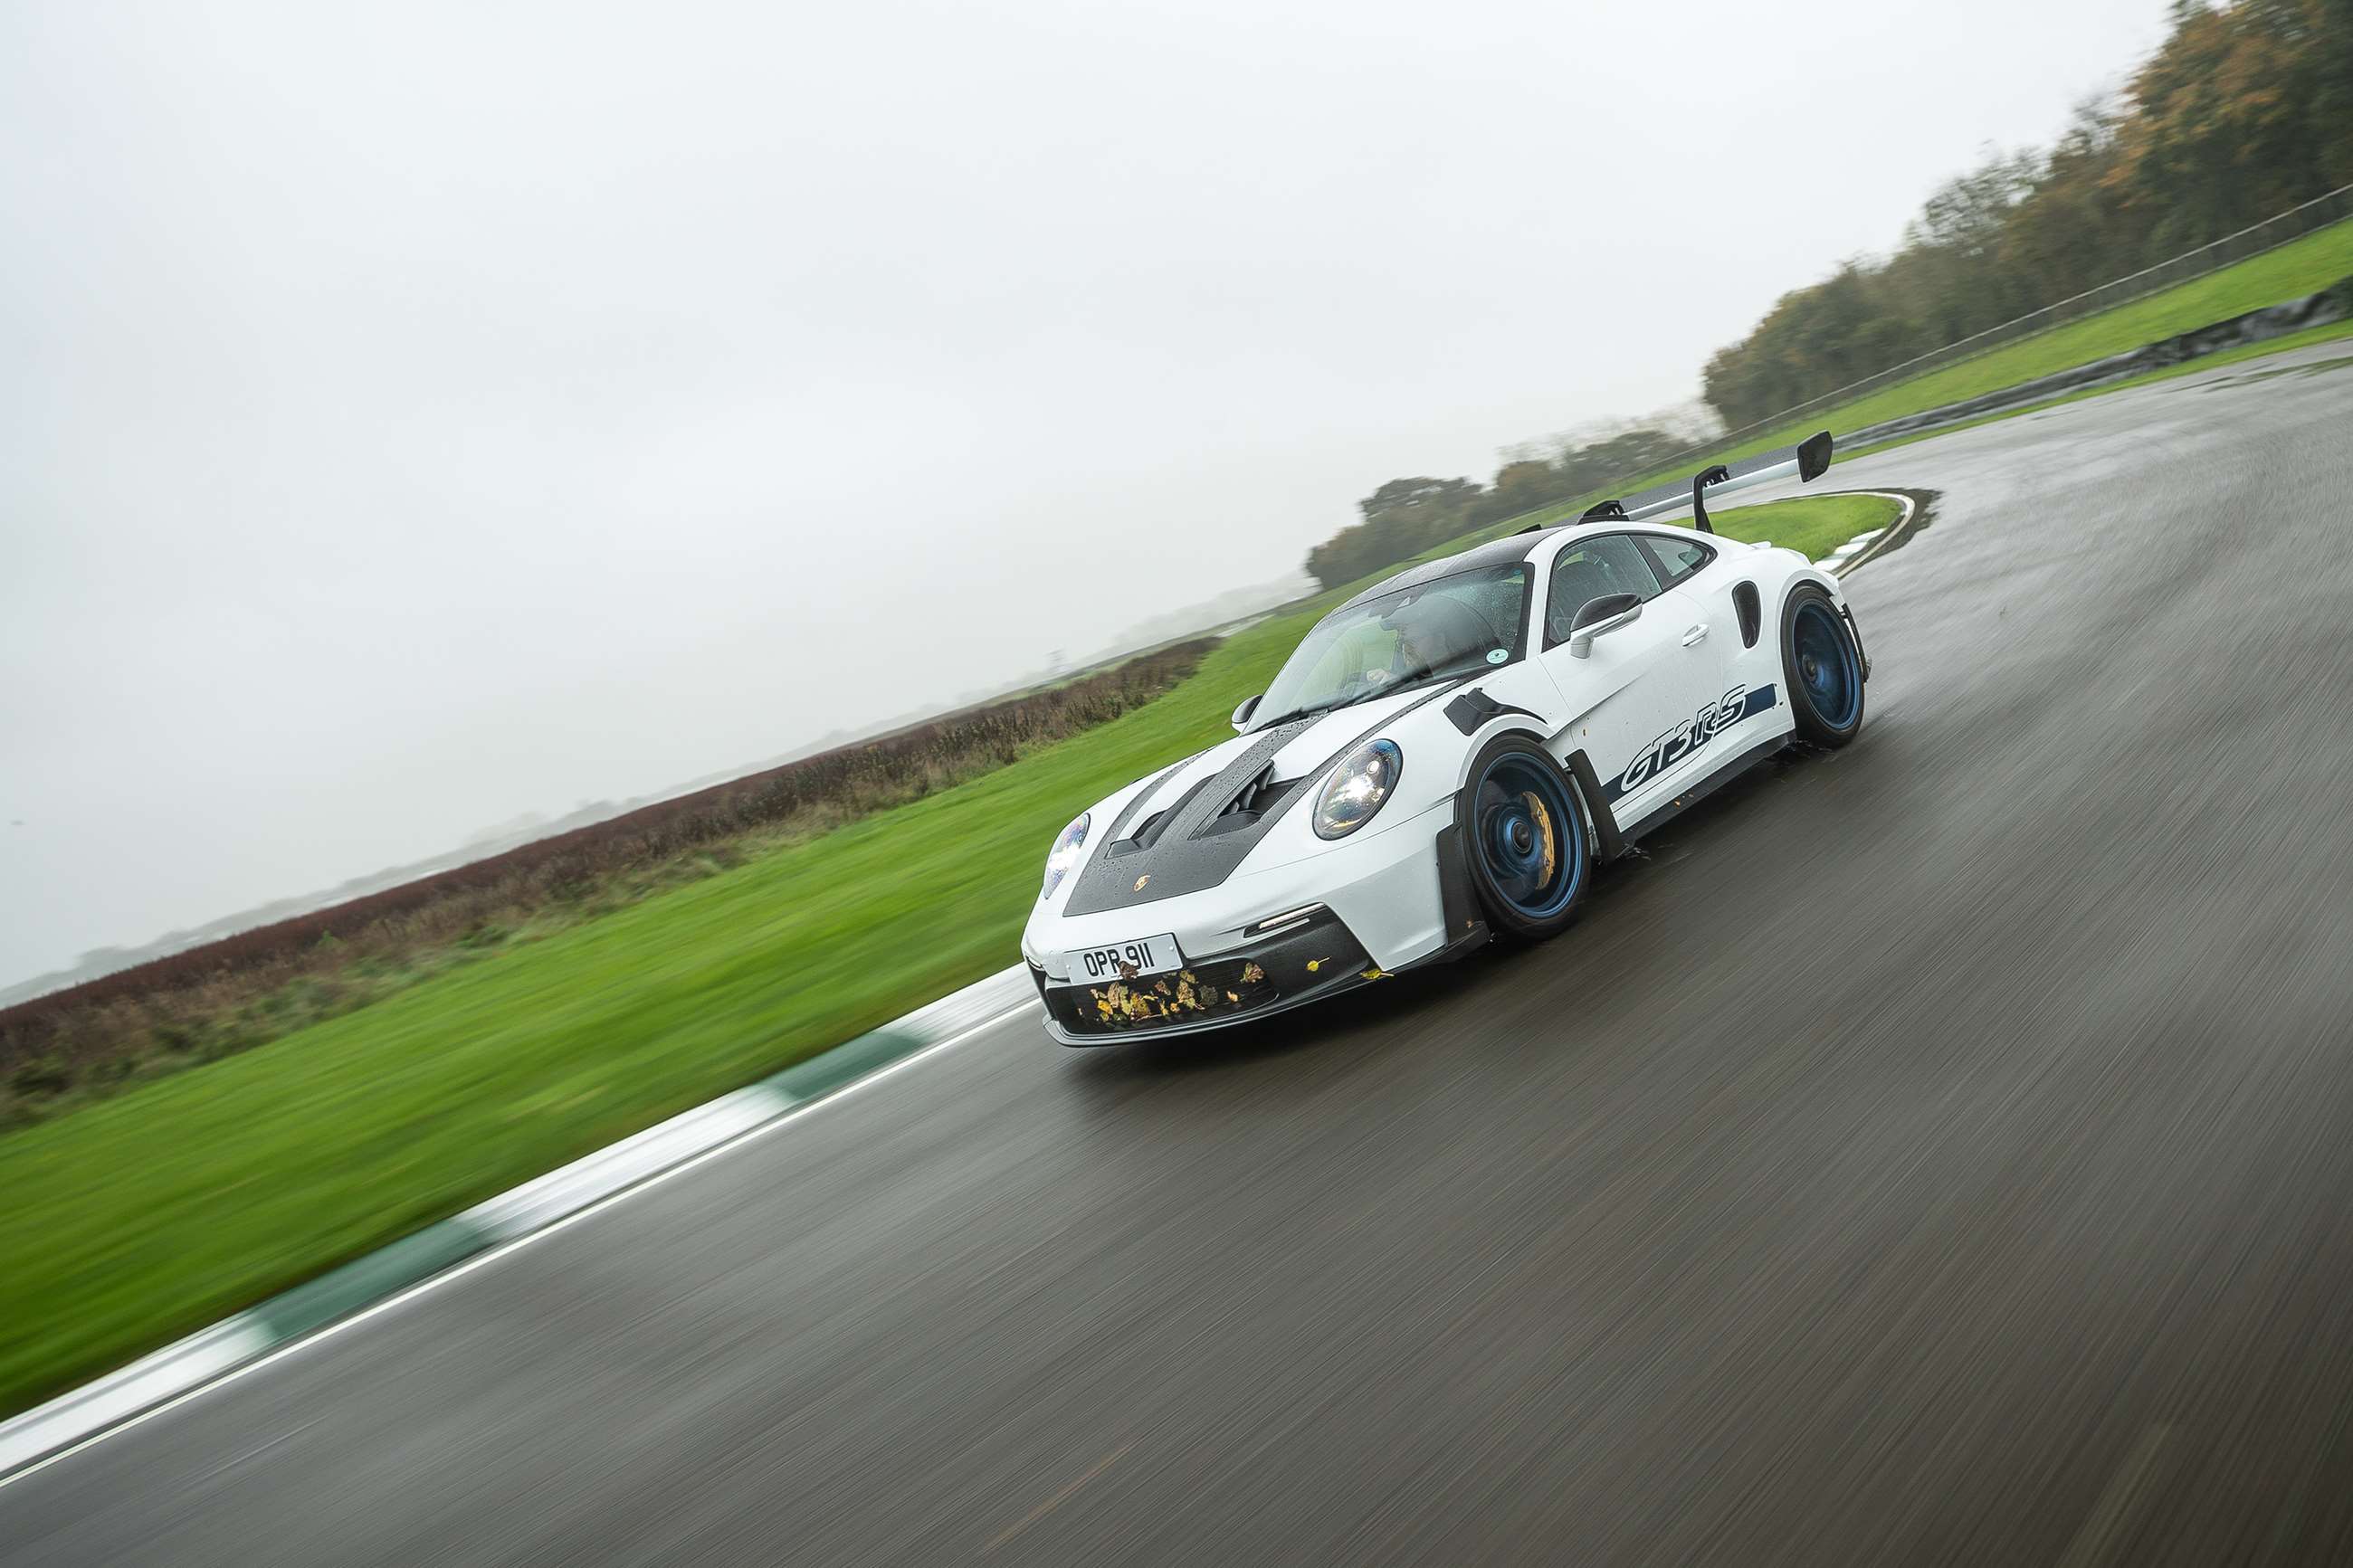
[1125,960]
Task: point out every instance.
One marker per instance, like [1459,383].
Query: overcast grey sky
[413,415]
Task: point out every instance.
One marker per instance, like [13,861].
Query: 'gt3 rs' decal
[1689,736]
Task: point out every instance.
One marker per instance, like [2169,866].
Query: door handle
[1696,635]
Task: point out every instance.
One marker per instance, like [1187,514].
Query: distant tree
[1524,484]
[1402,519]
[2245,110]
[1418,494]
[2216,134]
[2331,60]
[2072,231]
[1626,456]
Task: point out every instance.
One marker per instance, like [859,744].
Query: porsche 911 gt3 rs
[1443,760]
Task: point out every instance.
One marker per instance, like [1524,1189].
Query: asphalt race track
[1941,1151]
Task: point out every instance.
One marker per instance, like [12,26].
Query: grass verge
[2219,359]
[144,1216]
[2299,267]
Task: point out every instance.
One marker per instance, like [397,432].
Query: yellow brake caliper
[1551,845]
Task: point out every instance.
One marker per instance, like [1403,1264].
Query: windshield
[1447,626]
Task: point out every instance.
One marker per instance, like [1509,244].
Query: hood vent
[1259,798]
[1253,795]
[1147,832]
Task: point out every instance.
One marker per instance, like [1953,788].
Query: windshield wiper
[1407,681]
[1427,672]
[1308,713]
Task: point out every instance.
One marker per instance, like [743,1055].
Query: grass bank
[143,1216]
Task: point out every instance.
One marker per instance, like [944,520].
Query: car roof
[1521,546]
[1494,552]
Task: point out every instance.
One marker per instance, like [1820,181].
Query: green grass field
[143,1218]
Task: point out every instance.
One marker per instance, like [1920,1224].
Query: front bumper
[1301,964]
[1383,883]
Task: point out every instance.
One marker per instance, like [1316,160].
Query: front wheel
[1523,832]
[1822,665]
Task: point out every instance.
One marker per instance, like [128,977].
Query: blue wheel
[1825,672]
[1524,836]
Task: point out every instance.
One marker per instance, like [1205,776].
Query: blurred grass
[145,1216]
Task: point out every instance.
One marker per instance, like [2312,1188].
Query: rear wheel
[1523,831]
[1823,668]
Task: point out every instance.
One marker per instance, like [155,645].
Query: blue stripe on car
[1689,736]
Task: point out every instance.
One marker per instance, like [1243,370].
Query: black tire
[1823,667]
[1525,837]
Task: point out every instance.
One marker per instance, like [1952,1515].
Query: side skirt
[1741,763]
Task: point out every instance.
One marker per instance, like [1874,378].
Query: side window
[1593,569]
[1676,559]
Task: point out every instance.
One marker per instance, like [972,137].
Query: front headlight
[1357,788]
[1065,855]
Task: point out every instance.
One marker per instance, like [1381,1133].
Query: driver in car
[1428,639]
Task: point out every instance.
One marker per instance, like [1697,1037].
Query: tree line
[1406,517]
[2245,110]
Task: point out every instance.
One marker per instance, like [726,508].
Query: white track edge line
[1888,535]
[498,1250]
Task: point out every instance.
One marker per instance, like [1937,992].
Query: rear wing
[1809,460]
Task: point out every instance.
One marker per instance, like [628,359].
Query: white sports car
[1443,759]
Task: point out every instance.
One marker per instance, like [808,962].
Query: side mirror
[1601,616]
[1248,706]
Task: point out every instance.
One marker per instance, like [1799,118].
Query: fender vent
[1752,612]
